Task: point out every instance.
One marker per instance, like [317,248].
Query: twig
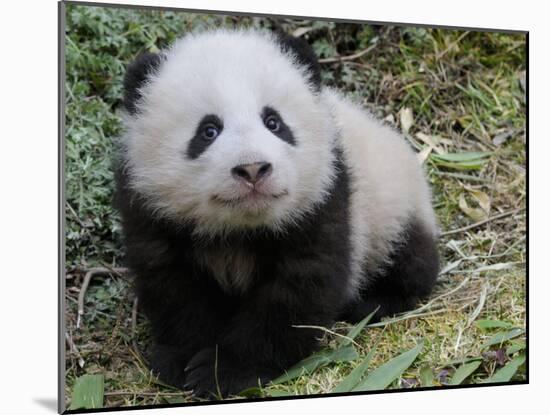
[483,222]
[326,330]
[348,58]
[74,349]
[87,278]
[408,316]
[482,298]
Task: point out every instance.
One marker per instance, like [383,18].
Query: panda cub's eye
[210,132]
[272,123]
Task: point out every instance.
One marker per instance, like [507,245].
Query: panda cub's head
[228,130]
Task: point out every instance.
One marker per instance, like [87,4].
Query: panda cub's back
[388,187]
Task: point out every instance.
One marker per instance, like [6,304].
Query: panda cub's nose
[252,173]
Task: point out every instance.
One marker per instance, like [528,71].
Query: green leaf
[309,364]
[355,330]
[492,324]
[350,381]
[384,375]
[464,371]
[88,392]
[426,376]
[507,372]
[502,336]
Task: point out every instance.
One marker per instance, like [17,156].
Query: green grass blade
[383,376]
[502,336]
[355,330]
[316,360]
[507,372]
[88,392]
[350,381]
[464,371]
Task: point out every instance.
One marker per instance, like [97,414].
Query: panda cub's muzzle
[252,174]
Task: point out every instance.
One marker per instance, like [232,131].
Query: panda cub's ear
[136,75]
[305,55]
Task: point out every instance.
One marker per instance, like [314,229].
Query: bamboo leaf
[88,392]
[426,376]
[502,336]
[476,214]
[252,392]
[350,381]
[464,371]
[462,157]
[278,393]
[316,360]
[507,372]
[355,330]
[384,375]
[516,347]
[492,324]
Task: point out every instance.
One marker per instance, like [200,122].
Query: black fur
[408,279]
[136,75]
[198,143]
[284,132]
[298,281]
[304,54]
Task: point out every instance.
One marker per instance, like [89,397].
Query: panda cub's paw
[209,376]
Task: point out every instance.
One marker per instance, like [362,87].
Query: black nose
[252,173]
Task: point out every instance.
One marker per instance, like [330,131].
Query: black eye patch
[208,130]
[274,123]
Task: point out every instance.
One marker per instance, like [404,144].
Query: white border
[28,174]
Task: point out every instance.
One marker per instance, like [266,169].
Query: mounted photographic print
[273,207]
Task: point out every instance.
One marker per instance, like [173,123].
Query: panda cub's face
[230,134]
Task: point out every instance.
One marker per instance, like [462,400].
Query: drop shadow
[48,403]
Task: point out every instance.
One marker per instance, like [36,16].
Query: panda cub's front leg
[260,340]
[186,316]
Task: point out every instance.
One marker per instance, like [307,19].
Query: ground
[459,98]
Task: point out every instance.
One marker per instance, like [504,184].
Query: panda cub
[253,200]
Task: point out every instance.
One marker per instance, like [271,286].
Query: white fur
[233,75]
[388,185]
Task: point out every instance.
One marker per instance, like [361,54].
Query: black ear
[136,75]
[305,55]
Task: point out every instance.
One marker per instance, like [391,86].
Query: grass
[451,92]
